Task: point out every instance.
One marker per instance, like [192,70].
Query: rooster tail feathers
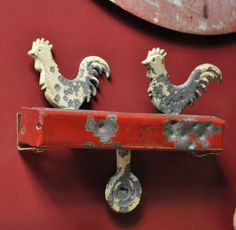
[203,74]
[210,72]
[97,66]
[90,69]
[94,66]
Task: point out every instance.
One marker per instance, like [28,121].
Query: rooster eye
[153,59]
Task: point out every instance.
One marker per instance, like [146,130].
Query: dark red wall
[64,189]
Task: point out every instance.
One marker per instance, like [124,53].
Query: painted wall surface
[64,189]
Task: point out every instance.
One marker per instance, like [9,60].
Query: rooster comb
[42,41]
[157,51]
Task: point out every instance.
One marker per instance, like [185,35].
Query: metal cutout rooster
[59,91]
[169,98]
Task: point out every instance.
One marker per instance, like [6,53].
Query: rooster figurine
[59,91]
[169,98]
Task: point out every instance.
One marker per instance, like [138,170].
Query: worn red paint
[195,17]
[43,127]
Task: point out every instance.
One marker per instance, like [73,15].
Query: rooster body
[59,91]
[169,98]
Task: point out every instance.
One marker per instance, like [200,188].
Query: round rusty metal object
[206,17]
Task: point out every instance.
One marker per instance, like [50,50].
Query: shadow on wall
[80,176]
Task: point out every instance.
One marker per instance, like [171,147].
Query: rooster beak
[31,53]
[145,62]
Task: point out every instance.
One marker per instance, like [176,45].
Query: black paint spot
[65,98]
[70,103]
[52,69]
[57,87]
[77,103]
[59,77]
[57,98]
[70,91]
[66,92]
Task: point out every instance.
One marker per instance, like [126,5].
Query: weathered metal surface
[189,16]
[105,129]
[59,91]
[44,128]
[190,133]
[123,190]
[20,146]
[169,98]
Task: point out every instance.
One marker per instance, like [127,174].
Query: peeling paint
[177,18]
[156,17]
[189,134]
[176,2]
[152,3]
[116,145]
[105,129]
[39,124]
[219,25]
[203,26]
[123,195]
[155,20]
[89,145]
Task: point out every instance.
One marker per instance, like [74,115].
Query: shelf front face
[44,128]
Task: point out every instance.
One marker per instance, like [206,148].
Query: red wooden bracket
[40,128]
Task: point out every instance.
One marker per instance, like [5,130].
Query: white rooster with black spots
[169,98]
[59,91]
